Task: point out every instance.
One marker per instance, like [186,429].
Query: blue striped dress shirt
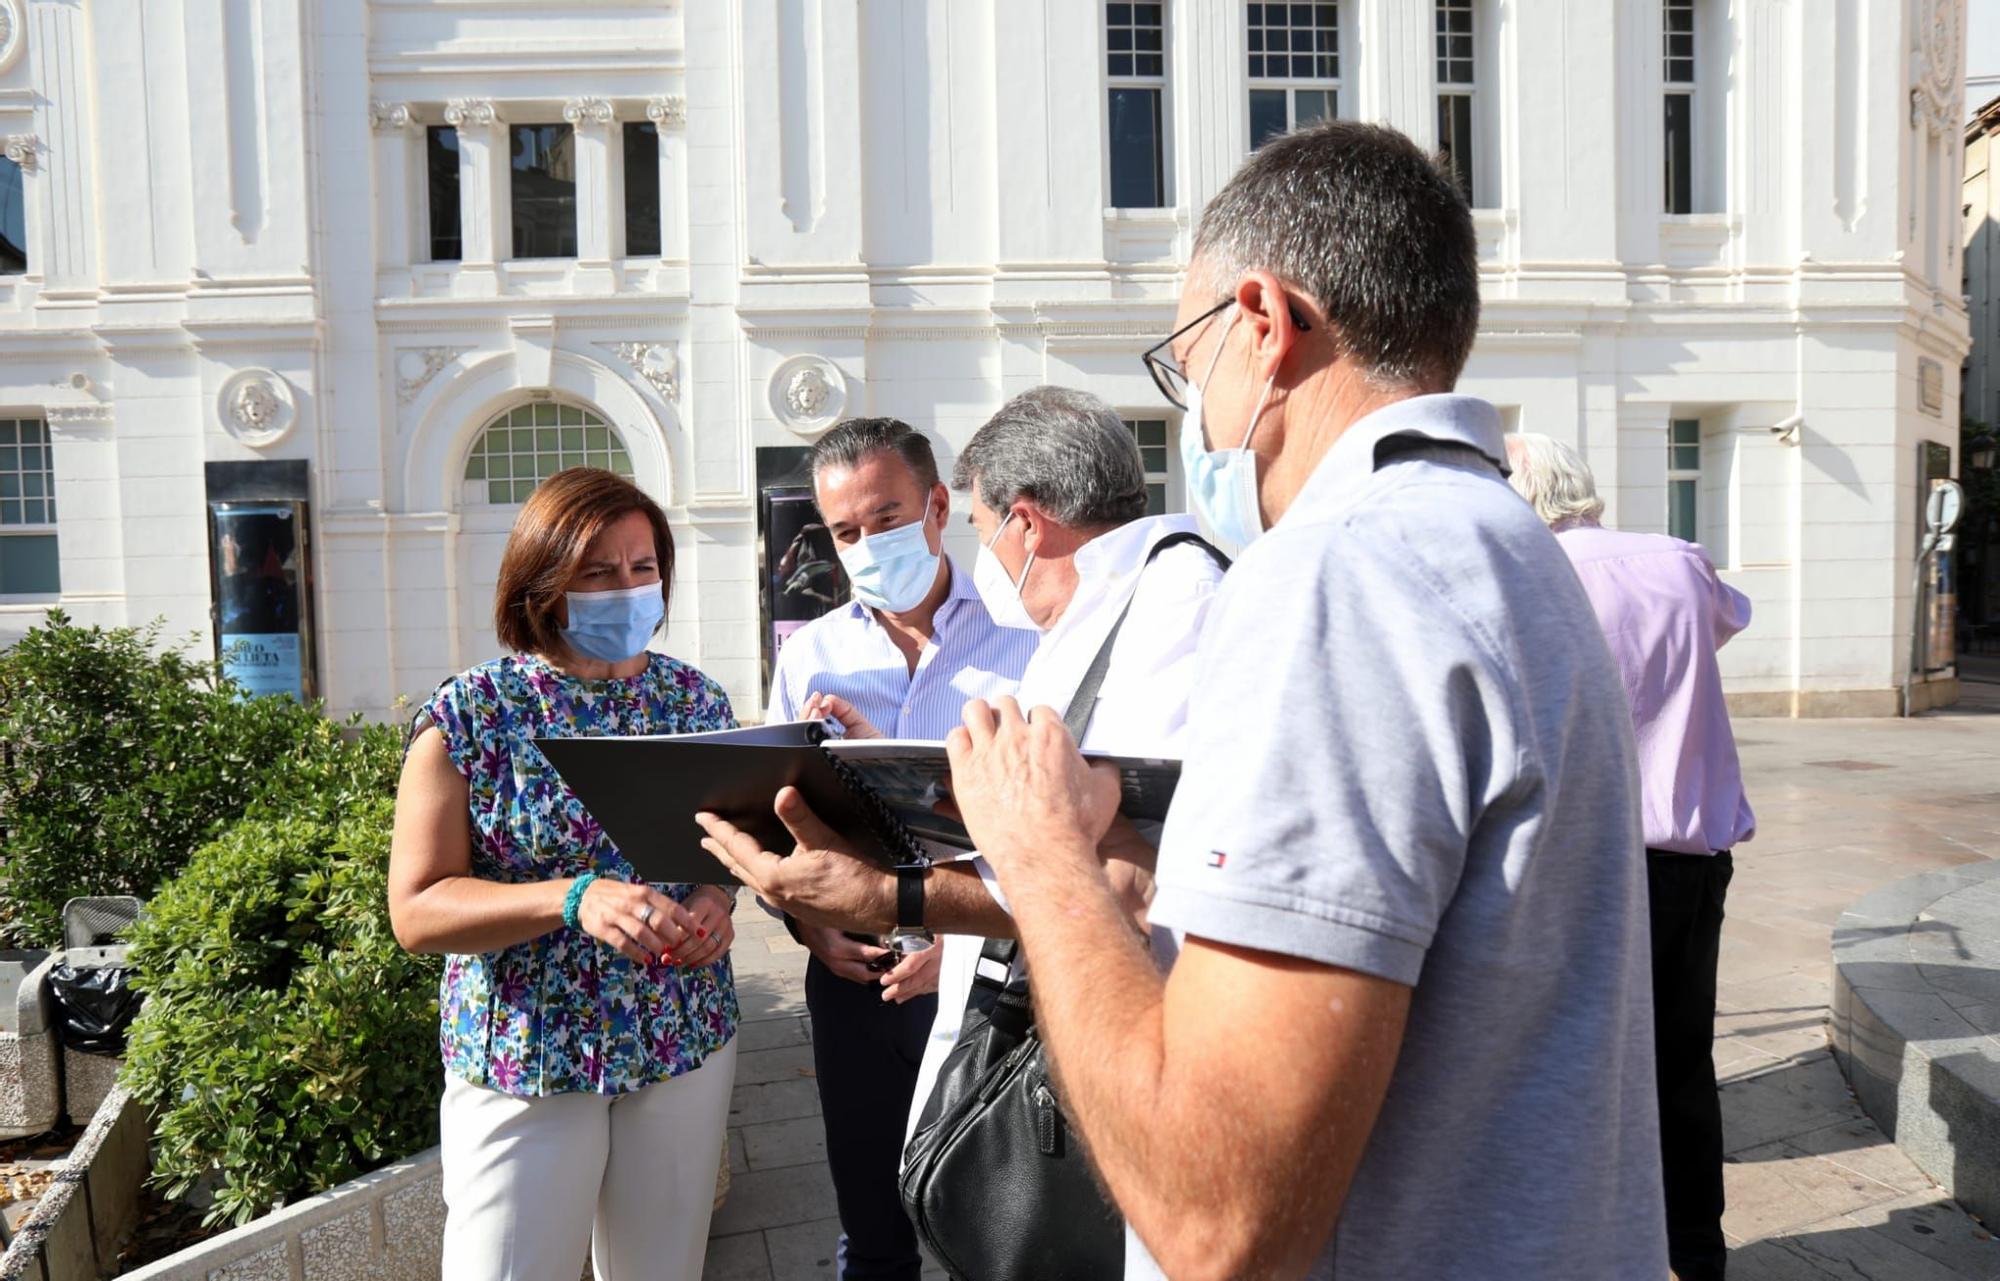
[850,653]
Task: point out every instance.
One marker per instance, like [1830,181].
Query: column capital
[385,117]
[669,110]
[24,149]
[472,113]
[593,111]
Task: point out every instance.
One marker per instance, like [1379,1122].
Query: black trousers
[866,1052]
[1685,893]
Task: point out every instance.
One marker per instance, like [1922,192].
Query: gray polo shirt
[1409,755]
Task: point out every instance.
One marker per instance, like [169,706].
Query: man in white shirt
[907,652]
[1058,497]
[1408,1027]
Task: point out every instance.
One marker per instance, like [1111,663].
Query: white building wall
[912,200]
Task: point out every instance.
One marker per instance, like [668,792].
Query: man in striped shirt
[906,653]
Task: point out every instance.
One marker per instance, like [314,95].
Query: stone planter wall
[28,1083]
[77,1227]
[385,1226]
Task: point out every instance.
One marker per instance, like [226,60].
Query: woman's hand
[821,707]
[638,920]
[710,906]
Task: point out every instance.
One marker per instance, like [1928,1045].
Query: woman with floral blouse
[588,1019]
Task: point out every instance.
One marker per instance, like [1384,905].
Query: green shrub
[117,761]
[286,1039]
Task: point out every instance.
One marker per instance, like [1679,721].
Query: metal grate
[97,922]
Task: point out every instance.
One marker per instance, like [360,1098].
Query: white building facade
[433,249]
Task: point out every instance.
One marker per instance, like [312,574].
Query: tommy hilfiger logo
[1216,858]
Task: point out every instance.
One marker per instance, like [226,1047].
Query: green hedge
[288,1042]
[118,760]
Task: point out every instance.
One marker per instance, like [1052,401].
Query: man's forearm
[956,901]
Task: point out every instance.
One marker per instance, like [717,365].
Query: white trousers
[531,1183]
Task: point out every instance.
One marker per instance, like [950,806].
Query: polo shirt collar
[1446,418]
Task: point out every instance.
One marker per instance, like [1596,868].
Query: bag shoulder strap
[1084,702]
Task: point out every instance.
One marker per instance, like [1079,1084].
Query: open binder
[879,793]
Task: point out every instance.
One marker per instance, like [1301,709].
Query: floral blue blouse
[566,1013]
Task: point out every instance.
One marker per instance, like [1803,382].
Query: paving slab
[1827,838]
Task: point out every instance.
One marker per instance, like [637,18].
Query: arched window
[530,443]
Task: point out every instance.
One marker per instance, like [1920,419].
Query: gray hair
[1554,479]
[1067,451]
[856,438]
[1372,230]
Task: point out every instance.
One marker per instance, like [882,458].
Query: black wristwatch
[910,897]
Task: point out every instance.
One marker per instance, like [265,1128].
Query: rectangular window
[1456,84]
[13,220]
[1684,479]
[642,190]
[1678,74]
[1294,67]
[1136,64]
[28,565]
[441,165]
[1161,461]
[544,191]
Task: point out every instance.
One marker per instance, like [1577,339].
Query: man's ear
[1033,527]
[1265,308]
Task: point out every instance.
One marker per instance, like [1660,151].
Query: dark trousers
[1685,892]
[867,1052]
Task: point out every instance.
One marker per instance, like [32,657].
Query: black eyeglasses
[1169,377]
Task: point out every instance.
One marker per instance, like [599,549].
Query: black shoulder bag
[998,1187]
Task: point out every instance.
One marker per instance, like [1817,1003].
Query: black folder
[878,793]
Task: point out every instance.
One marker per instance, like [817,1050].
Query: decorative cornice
[591,111]
[386,116]
[657,363]
[668,111]
[75,417]
[417,366]
[472,113]
[23,149]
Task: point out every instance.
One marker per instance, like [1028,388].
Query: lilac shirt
[1664,614]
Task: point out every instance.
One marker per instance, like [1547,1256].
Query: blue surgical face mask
[1000,591]
[614,626]
[895,569]
[1222,483]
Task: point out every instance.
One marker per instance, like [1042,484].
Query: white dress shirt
[1141,707]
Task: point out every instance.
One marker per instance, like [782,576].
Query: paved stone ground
[1815,1191]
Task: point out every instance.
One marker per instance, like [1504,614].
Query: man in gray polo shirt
[1407,1027]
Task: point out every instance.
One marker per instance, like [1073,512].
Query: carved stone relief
[593,111]
[471,113]
[416,367]
[657,363]
[668,112]
[808,394]
[255,406]
[390,115]
[23,149]
[13,33]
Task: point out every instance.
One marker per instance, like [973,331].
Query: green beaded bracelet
[573,900]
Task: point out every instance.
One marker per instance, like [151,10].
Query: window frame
[1159,85]
[1172,481]
[39,529]
[475,492]
[624,132]
[513,174]
[1292,86]
[1683,475]
[429,222]
[1468,90]
[1689,92]
[20,191]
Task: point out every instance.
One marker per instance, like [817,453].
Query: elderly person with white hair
[1665,613]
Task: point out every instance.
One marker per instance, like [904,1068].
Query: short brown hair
[561,519]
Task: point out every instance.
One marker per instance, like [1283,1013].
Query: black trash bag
[94,1007]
